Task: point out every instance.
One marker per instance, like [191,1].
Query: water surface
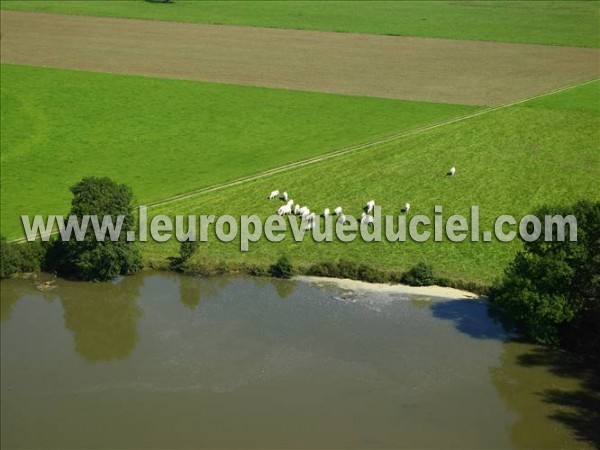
[166,361]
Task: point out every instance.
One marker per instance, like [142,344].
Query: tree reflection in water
[14,290]
[11,293]
[193,289]
[545,387]
[104,322]
[285,288]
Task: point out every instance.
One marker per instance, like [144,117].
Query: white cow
[452,171]
[326,213]
[338,210]
[370,206]
[285,209]
[273,195]
[406,207]
[285,196]
[297,209]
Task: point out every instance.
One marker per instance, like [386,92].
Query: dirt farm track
[437,70]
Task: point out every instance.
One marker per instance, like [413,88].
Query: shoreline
[364,286]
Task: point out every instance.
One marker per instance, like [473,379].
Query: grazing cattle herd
[308,217]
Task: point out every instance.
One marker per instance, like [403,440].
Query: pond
[160,360]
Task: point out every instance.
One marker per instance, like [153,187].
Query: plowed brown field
[436,70]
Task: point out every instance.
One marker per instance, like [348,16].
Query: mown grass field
[163,137]
[509,161]
[573,23]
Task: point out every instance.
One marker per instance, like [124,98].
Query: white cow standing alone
[370,206]
[452,171]
[273,195]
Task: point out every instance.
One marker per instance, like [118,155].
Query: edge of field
[54,7]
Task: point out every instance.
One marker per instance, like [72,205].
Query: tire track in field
[343,151]
[355,148]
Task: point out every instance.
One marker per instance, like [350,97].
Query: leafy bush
[551,291]
[282,268]
[186,251]
[90,259]
[347,269]
[371,275]
[257,270]
[420,275]
[20,258]
[222,268]
[323,269]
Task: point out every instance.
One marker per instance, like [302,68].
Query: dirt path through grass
[436,70]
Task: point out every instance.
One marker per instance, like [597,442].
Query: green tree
[282,268]
[551,291]
[20,258]
[187,249]
[420,275]
[91,259]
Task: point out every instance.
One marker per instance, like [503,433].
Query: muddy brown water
[164,361]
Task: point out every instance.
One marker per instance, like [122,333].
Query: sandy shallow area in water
[362,286]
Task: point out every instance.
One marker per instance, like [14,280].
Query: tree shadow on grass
[579,409]
[469,317]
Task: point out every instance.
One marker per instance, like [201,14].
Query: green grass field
[164,137]
[509,161]
[573,23]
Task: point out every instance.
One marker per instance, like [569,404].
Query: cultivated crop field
[404,68]
[572,23]
[191,113]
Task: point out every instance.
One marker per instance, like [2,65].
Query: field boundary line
[351,149]
[344,151]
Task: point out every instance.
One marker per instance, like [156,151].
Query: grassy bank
[573,23]
[163,137]
[509,161]
[419,275]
